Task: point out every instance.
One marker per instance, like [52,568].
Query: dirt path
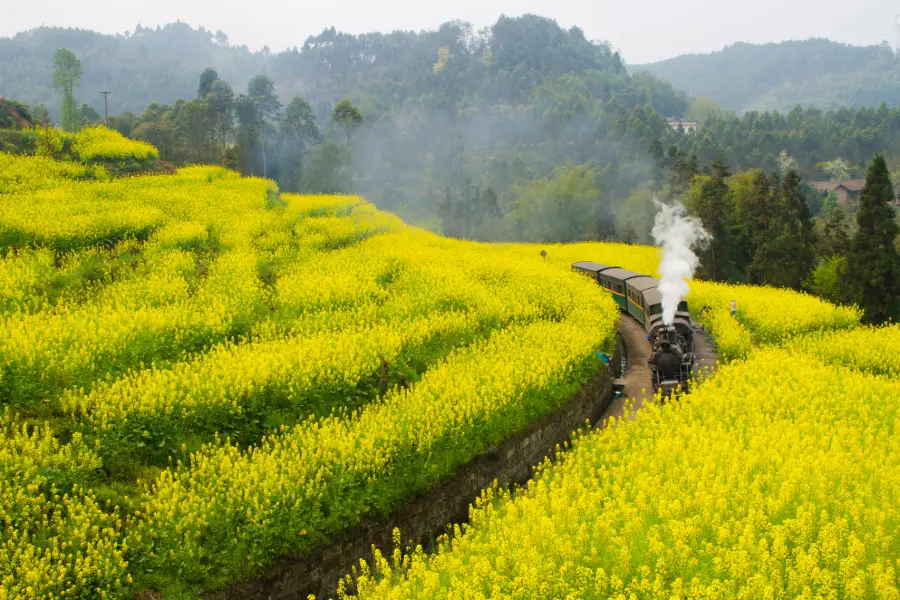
[638,388]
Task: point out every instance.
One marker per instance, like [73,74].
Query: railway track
[637,374]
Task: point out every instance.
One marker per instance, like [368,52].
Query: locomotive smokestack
[677,233]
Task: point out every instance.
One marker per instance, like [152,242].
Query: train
[672,346]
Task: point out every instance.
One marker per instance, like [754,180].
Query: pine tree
[714,208]
[874,265]
[835,240]
[758,215]
[793,255]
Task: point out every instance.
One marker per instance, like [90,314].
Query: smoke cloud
[677,234]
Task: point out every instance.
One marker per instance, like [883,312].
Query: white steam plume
[677,234]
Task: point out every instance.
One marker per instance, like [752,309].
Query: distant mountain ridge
[814,72]
[159,64]
[164,63]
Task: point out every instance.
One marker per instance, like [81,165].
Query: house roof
[853,185]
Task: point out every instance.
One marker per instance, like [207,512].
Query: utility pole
[105,108]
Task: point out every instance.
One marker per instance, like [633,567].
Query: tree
[701,108]
[561,208]
[829,280]
[835,169]
[635,218]
[327,174]
[220,105]
[874,273]
[207,77]
[835,237]
[347,116]
[87,116]
[192,130]
[261,92]
[792,243]
[66,75]
[298,134]
[710,200]
[786,162]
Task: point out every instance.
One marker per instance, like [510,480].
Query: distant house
[845,190]
[676,122]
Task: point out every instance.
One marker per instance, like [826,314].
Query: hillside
[145,65]
[201,376]
[504,62]
[816,72]
[447,113]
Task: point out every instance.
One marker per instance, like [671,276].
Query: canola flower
[640,259]
[69,218]
[873,350]
[19,173]
[300,480]
[21,275]
[765,482]
[420,296]
[773,315]
[42,354]
[219,301]
[331,205]
[99,145]
[233,383]
[56,543]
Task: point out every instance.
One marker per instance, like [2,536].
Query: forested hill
[452,66]
[447,112]
[814,72]
[147,65]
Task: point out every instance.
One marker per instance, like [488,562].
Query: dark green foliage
[791,243]
[873,262]
[207,77]
[297,136]
[809,135]
[17,142]
[87,116]
[711,201]
[834,239]
[15,115]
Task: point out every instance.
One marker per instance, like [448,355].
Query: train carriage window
[655,309]
[682,306]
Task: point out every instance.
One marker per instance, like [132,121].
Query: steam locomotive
[672,346]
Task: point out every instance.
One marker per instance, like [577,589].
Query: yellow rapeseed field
[147,315]
[778,478]
[201,375]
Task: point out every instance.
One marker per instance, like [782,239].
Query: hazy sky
[643,30]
